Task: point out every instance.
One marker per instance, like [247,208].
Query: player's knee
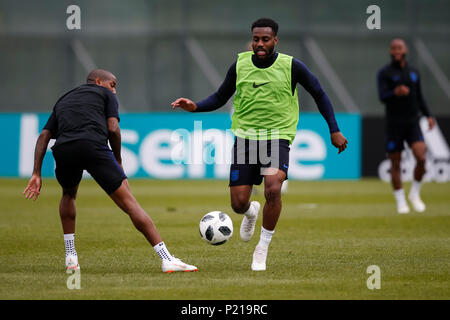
[124,199]
[70,193]
[272,191]
[129,205]
[239,207]
[239,204]
[420,160]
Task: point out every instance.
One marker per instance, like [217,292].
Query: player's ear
[275,40]
[98,81]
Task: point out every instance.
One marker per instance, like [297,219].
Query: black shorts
[97,159]
[253,158]
[396,135]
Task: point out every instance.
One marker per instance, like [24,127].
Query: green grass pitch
[328,234]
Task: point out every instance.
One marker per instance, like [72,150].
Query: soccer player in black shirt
[82,122]
[399,89]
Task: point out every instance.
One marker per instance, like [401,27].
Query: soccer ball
[216,227]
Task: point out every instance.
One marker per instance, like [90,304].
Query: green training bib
[264,106]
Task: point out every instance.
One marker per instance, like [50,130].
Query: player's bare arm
[185,104]
[115,138]
[34,185]
[339,141]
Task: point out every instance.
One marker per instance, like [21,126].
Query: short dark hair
[103,75]
[266,22]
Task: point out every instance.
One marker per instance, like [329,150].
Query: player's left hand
[431,123]
[33,188]
[339,141]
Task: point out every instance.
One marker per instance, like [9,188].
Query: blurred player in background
[399,89]
[266,101]
[82,122]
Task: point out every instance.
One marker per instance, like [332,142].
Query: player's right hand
[339,141]
[184,104]
[401,90]
[33,188]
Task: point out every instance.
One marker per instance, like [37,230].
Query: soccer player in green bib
[264,121]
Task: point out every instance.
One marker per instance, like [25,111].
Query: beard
[403,57]
[269,52]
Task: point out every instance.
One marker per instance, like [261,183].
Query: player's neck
[401,64]
[266,62]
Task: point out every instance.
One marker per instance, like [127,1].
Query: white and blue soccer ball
[216,227]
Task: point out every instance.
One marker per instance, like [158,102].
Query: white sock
[250,211]
[162,251]
[400,196]
[265,238]
[415,189]
[69,243]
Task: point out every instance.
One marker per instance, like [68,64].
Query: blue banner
[190,146]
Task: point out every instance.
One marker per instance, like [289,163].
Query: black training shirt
[401,110]
[82,113]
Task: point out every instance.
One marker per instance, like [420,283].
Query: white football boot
[72,263]
[176,265]
[259,258]
[402,208]
[248,223]
[417,203]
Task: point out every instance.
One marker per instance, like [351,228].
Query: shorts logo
[234,175]
[391,145]
[413,76]
[285,166]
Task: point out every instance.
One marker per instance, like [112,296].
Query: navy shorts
[252,160]
[396,135]
[73,157]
